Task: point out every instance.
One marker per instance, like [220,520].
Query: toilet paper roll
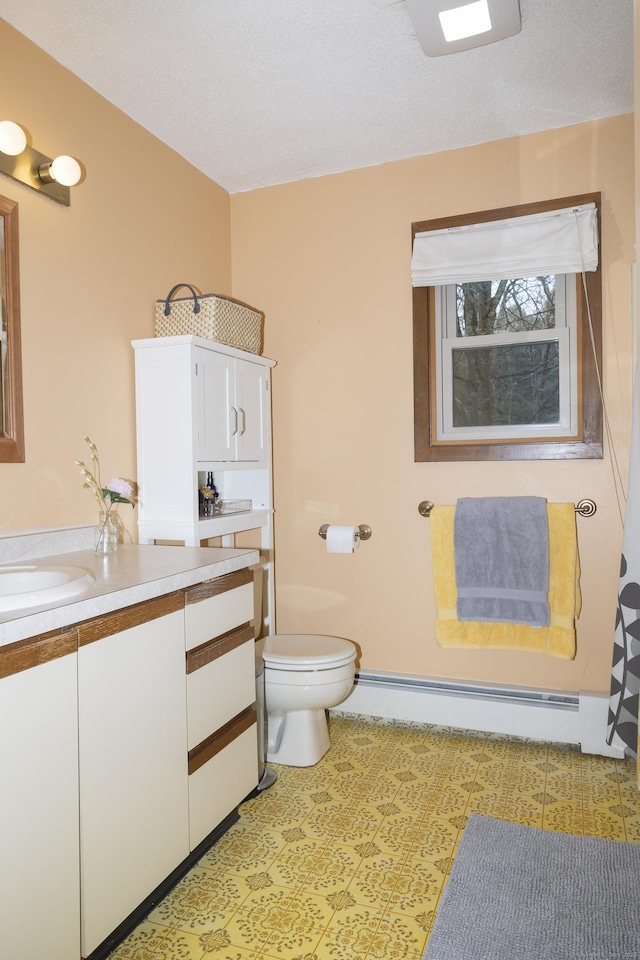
[342,539]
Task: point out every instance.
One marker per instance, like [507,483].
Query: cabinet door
[218,419]
[133,760]
[251,404]
[39,850]
[232,405]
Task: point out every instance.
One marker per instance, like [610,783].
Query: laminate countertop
[133,574]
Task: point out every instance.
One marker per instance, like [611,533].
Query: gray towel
[501,550]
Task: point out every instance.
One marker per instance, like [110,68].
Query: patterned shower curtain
[625,672]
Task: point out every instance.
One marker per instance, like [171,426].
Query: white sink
[31,585]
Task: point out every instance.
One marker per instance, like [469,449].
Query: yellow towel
[558,639]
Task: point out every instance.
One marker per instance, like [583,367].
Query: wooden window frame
[588,443]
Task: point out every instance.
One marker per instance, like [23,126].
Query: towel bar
[586,508]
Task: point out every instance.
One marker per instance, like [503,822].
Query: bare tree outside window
[496,306]
[506,384]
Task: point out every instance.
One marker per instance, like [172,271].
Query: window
[506,359]
[504,367]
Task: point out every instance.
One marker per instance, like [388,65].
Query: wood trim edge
[214,744]
[128,617]
[211,588]
[25,654]
[212,649]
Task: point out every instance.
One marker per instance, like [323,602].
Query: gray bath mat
[519,893]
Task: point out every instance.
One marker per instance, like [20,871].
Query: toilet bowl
[304,675]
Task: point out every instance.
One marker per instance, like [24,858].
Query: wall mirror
[11,410]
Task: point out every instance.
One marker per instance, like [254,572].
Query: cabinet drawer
[221,688]
[215,615]
[221,783]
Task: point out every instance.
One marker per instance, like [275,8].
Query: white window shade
[558,241]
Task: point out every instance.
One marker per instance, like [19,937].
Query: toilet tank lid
[302,648]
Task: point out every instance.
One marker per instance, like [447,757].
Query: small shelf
[193,533]
[210,509]
[234,522]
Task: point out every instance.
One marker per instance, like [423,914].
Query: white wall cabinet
[204,407]
[133,760]
[39,850]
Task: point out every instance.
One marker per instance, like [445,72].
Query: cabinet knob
[235,421]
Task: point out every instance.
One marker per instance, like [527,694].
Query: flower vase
[107,533]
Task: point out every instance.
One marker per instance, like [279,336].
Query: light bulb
[13,139]
[466,21]
[65,170]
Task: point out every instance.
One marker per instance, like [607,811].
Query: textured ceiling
[258,92]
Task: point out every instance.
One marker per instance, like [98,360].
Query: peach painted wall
[143,219]
[328,260]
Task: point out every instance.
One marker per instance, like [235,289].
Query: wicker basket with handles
[211,316]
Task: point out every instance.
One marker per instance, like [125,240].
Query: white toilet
[304,675]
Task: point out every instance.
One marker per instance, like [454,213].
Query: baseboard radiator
[557,716]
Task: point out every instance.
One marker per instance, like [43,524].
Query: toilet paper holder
[364,528]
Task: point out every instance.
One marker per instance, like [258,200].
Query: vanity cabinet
[39,848]
[127,741]
[134,806]
[221,700]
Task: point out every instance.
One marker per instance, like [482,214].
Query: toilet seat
[296,651]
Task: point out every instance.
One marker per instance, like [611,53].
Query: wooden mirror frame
[12,441]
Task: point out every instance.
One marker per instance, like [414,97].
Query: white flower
[120,487]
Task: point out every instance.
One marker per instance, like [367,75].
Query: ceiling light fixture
[24,164]
[444,26]
[466,21]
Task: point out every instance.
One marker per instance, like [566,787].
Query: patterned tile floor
[347,860]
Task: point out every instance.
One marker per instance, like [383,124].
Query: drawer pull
[211,588]
[221,738]
[217,647]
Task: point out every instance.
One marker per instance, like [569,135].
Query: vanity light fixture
[63,169]
[21,162]
[447,26]
[13,139]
